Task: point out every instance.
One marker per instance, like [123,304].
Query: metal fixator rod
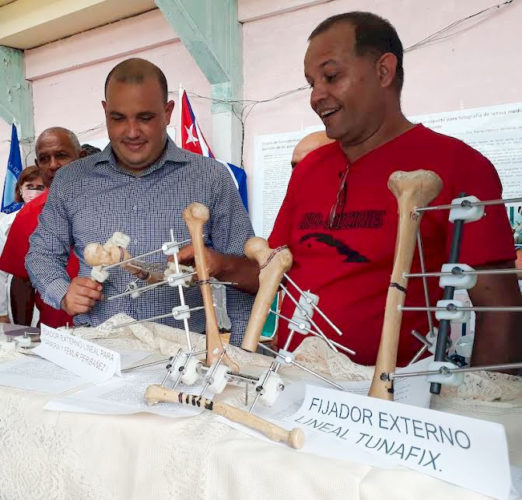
[425,282]
[444,370]
[452,307]
[457,271]
[302,367]
[137,257]
[295,323]
[138,290]
[154,318]
[469,204]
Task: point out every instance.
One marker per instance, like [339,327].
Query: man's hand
[213,259]
[81,296]
[236,269]
[4,319]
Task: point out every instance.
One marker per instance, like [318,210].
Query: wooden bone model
[113,251]
[413,190]
[294,438]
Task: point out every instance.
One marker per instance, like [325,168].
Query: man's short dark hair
[89,149]
[373,34]
[136,70]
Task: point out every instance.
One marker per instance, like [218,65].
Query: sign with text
[86,359]
[464,451]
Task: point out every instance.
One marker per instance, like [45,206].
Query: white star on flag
[191,138]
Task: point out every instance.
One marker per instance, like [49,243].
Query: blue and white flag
[14,168]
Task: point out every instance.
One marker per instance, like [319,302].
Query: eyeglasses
[338,208]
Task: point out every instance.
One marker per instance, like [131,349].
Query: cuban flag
[14,168]
[192,139]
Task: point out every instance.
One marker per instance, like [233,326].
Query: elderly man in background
[55,148]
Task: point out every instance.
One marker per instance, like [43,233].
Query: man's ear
[386,67]
[104,104]
[169,108]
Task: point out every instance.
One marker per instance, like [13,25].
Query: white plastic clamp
[177,279]
[300,323]
[219,378]
[170,248]
[464,211]
[446,376]
[191,372]
[181,312]
[451,312]
[23,341]
[118,239]
[457,279]
[285,357]
[133,287]
[272,386]
[99,274]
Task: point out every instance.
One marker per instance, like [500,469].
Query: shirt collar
[171,155]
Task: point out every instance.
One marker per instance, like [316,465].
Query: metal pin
[469,204]
[292,322]
[444,370]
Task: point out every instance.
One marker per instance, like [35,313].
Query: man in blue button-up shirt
[139,185]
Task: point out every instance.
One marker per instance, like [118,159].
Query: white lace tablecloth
[54,455]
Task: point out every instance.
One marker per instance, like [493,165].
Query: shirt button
[135,241]
[135,207]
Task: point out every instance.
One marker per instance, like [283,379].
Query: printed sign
[465,451]
[86,359]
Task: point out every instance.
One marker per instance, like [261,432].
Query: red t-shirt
[15,250]
[349,268]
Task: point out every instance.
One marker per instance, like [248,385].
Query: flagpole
[180,109]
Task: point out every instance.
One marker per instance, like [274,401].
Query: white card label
[86,359]
[464,451]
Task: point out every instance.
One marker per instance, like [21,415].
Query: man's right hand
[81,296]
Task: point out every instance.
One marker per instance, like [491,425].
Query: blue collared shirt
[93,197]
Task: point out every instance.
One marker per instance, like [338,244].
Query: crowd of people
[338,218]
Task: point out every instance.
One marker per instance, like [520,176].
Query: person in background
[55,148]
[29,186]
[88,149]
[307,144]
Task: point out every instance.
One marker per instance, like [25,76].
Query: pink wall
[477,66]
[68,76]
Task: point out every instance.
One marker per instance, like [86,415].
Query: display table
[58,455]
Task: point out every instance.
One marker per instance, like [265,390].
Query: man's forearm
[498,335]
[498,338]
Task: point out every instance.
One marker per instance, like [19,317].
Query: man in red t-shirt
[55,147]
[339,219]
